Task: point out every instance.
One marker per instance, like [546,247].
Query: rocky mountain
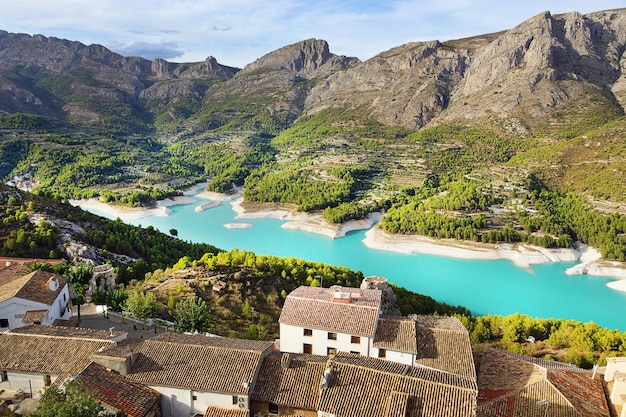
[518,80]
[493,97]
[68,80]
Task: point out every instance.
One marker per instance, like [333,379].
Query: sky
[236,32]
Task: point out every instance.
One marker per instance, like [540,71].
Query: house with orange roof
[324,321]
[512,385]
[35,357]
[38,297]
[193,373]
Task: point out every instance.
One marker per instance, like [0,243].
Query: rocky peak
[303,58]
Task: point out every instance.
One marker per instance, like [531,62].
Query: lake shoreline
[522,255]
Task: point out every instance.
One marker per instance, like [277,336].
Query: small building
[324,321]
[356,386]
[512,385]
[35,357]
[288,384]
[38,297]
[615,375]
[436,342]
[194,372]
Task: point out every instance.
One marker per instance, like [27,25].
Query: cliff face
[516,80]
[526,72]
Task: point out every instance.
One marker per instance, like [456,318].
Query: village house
[36,357]
[38,297]
[193,373]
[324,321]
[615,376]
[512,385]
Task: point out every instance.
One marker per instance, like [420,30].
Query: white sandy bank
[307,222]
[521,255]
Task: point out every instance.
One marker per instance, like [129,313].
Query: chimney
[53,283]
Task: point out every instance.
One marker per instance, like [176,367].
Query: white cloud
[238,31]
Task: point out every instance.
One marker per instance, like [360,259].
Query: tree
[173,232]
[142,305]
[38,265]
[79,276]
[192,315]
[70,401]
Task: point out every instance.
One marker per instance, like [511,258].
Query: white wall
[179,402]
[27,382]
[618,394]
[395,356]
[292,339]
[614,365]
[14,308]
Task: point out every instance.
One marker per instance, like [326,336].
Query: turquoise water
[485,287]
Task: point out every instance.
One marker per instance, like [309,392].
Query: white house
[195,373]
[34,357]
[324,321]
[38,297]
[616,373]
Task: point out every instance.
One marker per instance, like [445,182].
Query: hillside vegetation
[516,136]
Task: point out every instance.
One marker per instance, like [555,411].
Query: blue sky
[236,32]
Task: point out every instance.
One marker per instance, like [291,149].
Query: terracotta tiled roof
[33,287]
[34,316]
[313,307]
[512,385]
[438,342]
[369,387]
[135,400]
[45,354]
[396,333]
[222,412]
[198,362]
[69,332]
[290,379]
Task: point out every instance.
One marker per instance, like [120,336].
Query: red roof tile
[135,400]
[313,307]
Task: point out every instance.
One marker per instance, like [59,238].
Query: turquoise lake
[485,287]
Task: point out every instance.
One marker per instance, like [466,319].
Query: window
[355,339]
[382,353]
[308,332]
[235,399]
[332,336]
[194,397]
[4,376]
[307,348]
[355,352]
[4,322]
[272,408]
[331,351]
[47,380]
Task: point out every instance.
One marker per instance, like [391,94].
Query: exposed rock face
[282,77]
[527,71]
[92,71]
[569,63]
[389,305]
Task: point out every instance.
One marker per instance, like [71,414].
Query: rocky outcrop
[389,304]
[519,79]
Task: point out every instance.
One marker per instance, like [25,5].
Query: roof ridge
[52,336]
[405,374]
[240,349]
